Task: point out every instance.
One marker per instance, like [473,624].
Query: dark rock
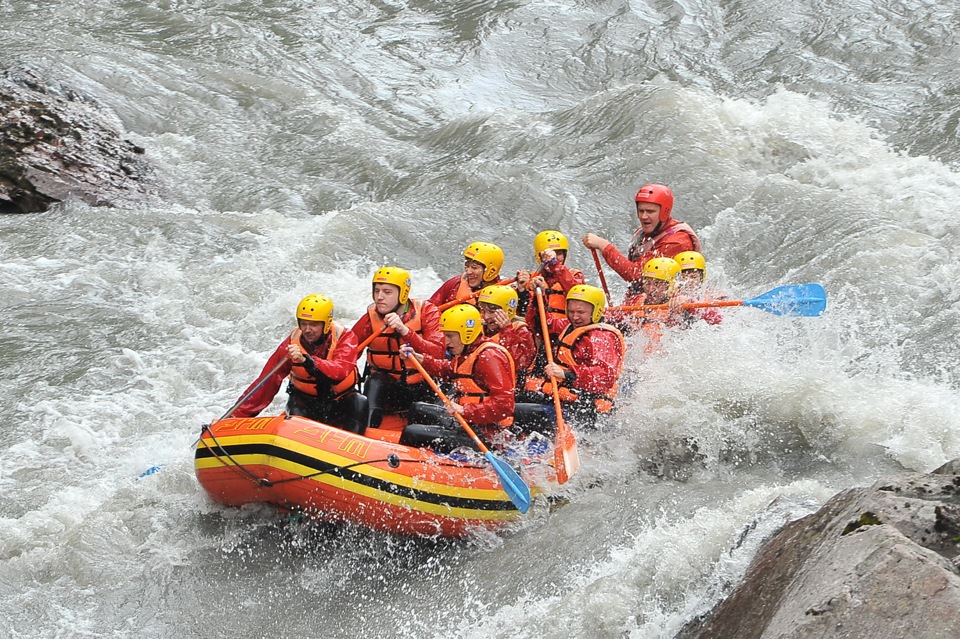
[873,562]
[55,144]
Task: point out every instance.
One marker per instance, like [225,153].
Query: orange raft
[298,464]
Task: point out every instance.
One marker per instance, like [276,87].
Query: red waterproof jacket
[493,372]
[336,365]
[560,280]
[456,288]
[676,237]
[517,338]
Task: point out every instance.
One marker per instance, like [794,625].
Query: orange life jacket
[555,301]
[383,353]
[310,385]
[564,358]
[468,390]
[465,294]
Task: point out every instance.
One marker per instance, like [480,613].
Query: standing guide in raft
[484,381]
[393,319]
[589,360]
[320,358]
[659,235]
[481,268]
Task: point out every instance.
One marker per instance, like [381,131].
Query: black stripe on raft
[317,465]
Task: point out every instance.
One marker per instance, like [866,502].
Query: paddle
[803,300]
[516,489]
[603,280]
[253,389]
[566,459]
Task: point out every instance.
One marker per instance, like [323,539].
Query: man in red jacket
[588,360]
[481,268]
[659,235]
[320,358]
[394,319]
[484,383]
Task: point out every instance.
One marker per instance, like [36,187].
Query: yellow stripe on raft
[413,483]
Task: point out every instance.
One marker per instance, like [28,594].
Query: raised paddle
[603,280]
[566,459]
[516,489]
[803,300]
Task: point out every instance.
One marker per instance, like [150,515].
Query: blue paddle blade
[516,489]
[805,300]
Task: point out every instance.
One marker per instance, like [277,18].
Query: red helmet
[657,194]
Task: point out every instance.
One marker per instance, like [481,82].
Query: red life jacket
[383,353]
[310,385]
[468,390]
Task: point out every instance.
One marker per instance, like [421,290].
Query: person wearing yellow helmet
[589,357]
[484,381]
[320,359]
[394,318]
[482,262]
[550,249]
[659,235]
[498,308]
[691,288]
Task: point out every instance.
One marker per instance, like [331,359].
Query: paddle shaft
[254,389]
[565,442]
[603,279]
[446,401]
[650,307]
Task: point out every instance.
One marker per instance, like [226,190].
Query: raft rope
[393,460]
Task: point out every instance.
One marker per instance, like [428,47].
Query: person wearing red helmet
[659,235]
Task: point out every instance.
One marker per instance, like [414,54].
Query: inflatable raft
[331,474]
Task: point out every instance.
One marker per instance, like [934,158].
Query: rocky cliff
[56,144]
[873,562]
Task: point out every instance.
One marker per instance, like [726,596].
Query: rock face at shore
[873,562]
[55,144]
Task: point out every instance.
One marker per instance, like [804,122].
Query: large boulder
[55,144]
[873,562]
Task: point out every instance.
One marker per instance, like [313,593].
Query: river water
[300,144]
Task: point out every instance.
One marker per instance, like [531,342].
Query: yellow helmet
[662,268]
[490,255]
[549,240]
[396,276]
[503,296]
[590,295]
[316,308]
[463,319]
[691,260]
